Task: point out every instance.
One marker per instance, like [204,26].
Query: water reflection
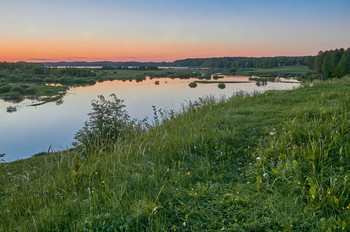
[33,129]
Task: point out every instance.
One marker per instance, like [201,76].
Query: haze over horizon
[159,30]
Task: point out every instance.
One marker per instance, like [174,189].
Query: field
[283,71]
[277,161]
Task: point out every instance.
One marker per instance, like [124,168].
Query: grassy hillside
[268,162]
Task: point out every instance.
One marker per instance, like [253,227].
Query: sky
[167,30]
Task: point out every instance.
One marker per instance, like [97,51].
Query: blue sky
[166,30]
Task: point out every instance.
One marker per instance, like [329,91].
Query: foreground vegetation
[277,161]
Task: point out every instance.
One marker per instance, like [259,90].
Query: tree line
[333,63]
[37,73]
[246,62]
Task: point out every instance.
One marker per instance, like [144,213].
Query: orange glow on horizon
[42,51]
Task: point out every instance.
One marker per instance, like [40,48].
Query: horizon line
[47,60]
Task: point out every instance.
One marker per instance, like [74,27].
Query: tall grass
[266,162]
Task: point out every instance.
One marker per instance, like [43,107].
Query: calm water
[33,129]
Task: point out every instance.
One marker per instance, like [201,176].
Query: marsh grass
[276,161]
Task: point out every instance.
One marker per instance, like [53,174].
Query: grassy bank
[282,71]
[268,162]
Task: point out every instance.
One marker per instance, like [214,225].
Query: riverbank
[42,92]
[242,164]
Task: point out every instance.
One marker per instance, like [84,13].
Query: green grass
[277,161]
[283,71]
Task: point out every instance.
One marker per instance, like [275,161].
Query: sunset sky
[166,30]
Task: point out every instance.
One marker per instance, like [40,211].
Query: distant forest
[327,64]
[222,62]
[333,63]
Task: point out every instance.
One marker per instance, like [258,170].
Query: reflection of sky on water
[33,129]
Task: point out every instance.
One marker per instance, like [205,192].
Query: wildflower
[192,189]
[174,229]
[265,175]
[258,158]
[103,182]
[289,148]
[167,170]
[174,169]
[347,207]
[298,183]
[188,173]
[195,194]
[92,192]
[329,192]
[175,181]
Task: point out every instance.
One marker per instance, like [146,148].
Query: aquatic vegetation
[192,85]
[221,85]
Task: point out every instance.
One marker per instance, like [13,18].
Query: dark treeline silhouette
[106,64]
[141,67]
[333,63]
[246,62]
[330,64]
[221,62]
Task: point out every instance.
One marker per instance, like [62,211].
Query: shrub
[206,76]
[17,89]
[221,85]
[14,95]
[192,85]
[107,122]
[31,90]
[215,77]
[91,82]
[24,86]
[5,89]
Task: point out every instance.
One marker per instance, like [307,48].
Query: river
[34,129]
